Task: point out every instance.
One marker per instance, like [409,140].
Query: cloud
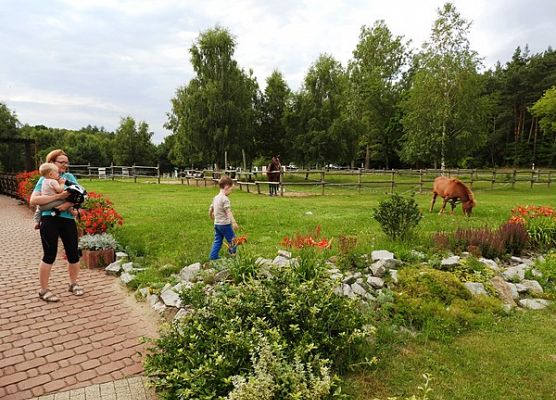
[94,61]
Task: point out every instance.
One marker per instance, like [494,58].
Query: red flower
[98,215]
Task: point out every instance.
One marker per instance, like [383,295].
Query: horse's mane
[467,190]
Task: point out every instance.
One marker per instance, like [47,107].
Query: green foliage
[398,216]
[542,232]
[437,303]
[97,242]
[545,110]
[547,268]
[472,270]
[132,144]
[294,324]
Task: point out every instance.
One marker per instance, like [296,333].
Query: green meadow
[511,357]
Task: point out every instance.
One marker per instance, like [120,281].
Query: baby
[51,185]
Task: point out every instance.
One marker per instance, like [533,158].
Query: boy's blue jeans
[221,232]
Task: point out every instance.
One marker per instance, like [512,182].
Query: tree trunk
[367,157]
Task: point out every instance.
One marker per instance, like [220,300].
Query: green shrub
[294,314]
[548,270]
[431,284]
[542,232]
[472,270]
[398,216]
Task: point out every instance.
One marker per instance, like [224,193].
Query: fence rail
[310,181]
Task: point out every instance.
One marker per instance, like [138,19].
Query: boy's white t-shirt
[49,187]
[220,204]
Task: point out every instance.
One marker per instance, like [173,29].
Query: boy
[52,184]
[224,223]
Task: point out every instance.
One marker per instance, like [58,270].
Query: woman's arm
[37,199]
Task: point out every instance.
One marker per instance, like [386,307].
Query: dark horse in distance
[273,174]
[454,191]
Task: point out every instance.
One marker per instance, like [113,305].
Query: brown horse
[273,174]
[453,190]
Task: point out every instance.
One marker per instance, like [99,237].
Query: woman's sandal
[49,297]
[76,289]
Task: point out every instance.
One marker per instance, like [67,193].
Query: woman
[53,227]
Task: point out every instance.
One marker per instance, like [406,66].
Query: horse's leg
[453,204]
[443,205]
[434,194]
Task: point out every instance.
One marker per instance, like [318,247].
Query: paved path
[75,343]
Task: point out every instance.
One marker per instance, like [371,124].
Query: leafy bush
[97,242]
[437,303]
[540,223]
[509,238]
[548,270]
[472,270]
[398,216]
[293,317]
[26,182]
[98,215]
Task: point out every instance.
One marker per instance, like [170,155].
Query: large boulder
[190,273]
[475,288]
[516,273]
[170,298]
[449,262]
[381,255]
[504,290]
[115,268]
[534,304]
[532,286]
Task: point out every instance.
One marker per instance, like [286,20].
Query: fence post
[532,177]
[549,177]
[112,170]
[322,182]
[471,179]
[158,172]
[393,182]
[493,180]
[134,172]
[359,181]
[514,178]
[420,181]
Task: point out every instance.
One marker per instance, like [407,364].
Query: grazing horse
[273,173]
[453,190]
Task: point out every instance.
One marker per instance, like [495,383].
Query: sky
[73,63]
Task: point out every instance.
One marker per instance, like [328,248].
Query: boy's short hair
[225,181]
[45,168]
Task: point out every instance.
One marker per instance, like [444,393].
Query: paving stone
[46,348]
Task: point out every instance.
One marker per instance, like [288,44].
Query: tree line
[391,106]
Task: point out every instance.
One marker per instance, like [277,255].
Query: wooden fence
[311,181]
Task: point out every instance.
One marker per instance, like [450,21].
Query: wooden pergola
[30,150]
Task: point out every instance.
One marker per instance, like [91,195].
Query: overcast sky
[71,63]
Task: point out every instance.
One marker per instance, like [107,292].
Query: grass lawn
[514,358]
[170,223]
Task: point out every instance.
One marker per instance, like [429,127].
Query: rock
[490,263]
[349,279]
[308,213]
[394,275]
[120,255]
[370,297]
[358,289]
[504,290]
[126,277]
[513,289]
[475,288]
[534,304]
[333,271]
[536,273]
[181,286]
[381,255]
[285,254]
[515,260]
[190,273]
[281,261]
[465,254]
[263,261]
[222,276]
[159,307]
[516,273]
[127,267]
[450,262]
[379,268]
[114,268]
[170,298]
[153,299]
[347,291]
[182,313]
[339,290]
[143,292]
[532,286]
[359,280]
[520,288]
[375,282]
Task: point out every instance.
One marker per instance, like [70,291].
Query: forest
[390,106]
